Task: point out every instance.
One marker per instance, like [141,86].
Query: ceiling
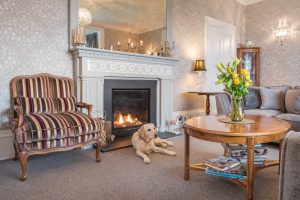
[248,2]
[135,16]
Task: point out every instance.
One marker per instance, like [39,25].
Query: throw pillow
[292,101]
[284,89]
[272,99]
[253,99]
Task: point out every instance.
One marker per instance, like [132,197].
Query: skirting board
[6,137]
[6,145]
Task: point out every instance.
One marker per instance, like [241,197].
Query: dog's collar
[143,139]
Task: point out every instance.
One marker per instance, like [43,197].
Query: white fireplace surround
[93,66]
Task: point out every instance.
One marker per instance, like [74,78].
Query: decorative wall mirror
[134,26]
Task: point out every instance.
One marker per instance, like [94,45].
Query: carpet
[122,175]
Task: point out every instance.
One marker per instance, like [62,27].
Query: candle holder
[79,38]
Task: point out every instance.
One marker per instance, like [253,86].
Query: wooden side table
[264,130]
[207,94]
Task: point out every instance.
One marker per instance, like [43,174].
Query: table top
[263,126]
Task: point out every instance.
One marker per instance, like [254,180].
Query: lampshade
[199,66]
[84,17]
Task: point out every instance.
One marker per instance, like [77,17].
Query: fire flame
[126,120]
[121,119]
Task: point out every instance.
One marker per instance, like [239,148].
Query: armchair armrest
[19,114]
[89,107]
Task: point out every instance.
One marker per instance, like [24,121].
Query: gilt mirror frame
[73,19]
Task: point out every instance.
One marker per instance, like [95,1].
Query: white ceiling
[248,2]
[135,16]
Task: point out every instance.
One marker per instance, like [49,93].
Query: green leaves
[234,83]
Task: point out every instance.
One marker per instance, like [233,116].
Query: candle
[131,45]
[119,43]
[141,43]
[129,40]
[111,47]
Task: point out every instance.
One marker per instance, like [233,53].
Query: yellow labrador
[145,141]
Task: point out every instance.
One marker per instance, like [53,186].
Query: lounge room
[139,99]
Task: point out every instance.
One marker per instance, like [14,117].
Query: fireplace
[129,104]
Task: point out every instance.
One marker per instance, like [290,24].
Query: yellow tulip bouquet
[237,83]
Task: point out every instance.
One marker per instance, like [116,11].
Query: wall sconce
[200,69]
[282,32]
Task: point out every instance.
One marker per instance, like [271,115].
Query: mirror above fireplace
[133,26]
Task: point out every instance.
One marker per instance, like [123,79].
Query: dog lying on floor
[145,141]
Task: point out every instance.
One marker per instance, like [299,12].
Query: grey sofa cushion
[292,101]
[289,117]
[253,99]
[289,167]
[272,99]
[268,113]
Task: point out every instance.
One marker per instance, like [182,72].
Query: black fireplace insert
[129,104]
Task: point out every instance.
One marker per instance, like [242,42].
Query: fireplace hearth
[129,104]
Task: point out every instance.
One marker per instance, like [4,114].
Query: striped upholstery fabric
[47,105]
[44,86]
[57,130]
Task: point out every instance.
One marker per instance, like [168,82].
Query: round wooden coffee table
[264,129]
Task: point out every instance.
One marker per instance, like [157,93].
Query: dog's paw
[170,143]
[172,153]
[164,145]
[147,160]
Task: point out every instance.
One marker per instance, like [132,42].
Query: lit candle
[141,43]
[129,40]
[131,45]
[119,43]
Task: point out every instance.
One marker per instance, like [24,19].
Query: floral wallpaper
[34,39]
[280,65]
[188,33]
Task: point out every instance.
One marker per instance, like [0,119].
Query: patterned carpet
[122,175]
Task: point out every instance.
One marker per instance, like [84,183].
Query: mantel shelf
[120,55]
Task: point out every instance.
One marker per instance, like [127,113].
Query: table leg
[250,166]
[207,105]
[186,155]
[280,150]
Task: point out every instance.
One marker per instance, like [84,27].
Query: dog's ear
[143,135]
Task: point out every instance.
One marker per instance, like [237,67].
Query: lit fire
[126,120]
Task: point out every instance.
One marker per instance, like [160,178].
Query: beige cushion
[272,99]
[292,101]
[268,113]
[289,117]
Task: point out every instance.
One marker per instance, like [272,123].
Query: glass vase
[236,109]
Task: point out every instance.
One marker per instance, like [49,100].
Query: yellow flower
[229,69]
[234,75]
[247,83]
[245,72]
[236,81]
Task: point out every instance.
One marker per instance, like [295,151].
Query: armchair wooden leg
[23,161]
[98,152]
[16,152]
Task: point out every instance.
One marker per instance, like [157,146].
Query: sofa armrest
[89,107]
[19,114]
[289,167]
[223,103]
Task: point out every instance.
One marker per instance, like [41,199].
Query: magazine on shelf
[235,173]
[222,163]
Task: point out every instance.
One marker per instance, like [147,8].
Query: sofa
[282,102]
[289,168]
[47,118]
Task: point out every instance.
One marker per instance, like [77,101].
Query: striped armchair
[47,119]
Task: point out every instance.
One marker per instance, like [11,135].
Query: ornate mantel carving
[93,66]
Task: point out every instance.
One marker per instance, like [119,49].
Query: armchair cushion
[56,126]
[36,105]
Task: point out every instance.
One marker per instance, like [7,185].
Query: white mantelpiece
[93,66]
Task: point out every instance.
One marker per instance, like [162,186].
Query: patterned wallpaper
[188,33]
[280,65]
[34,39]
